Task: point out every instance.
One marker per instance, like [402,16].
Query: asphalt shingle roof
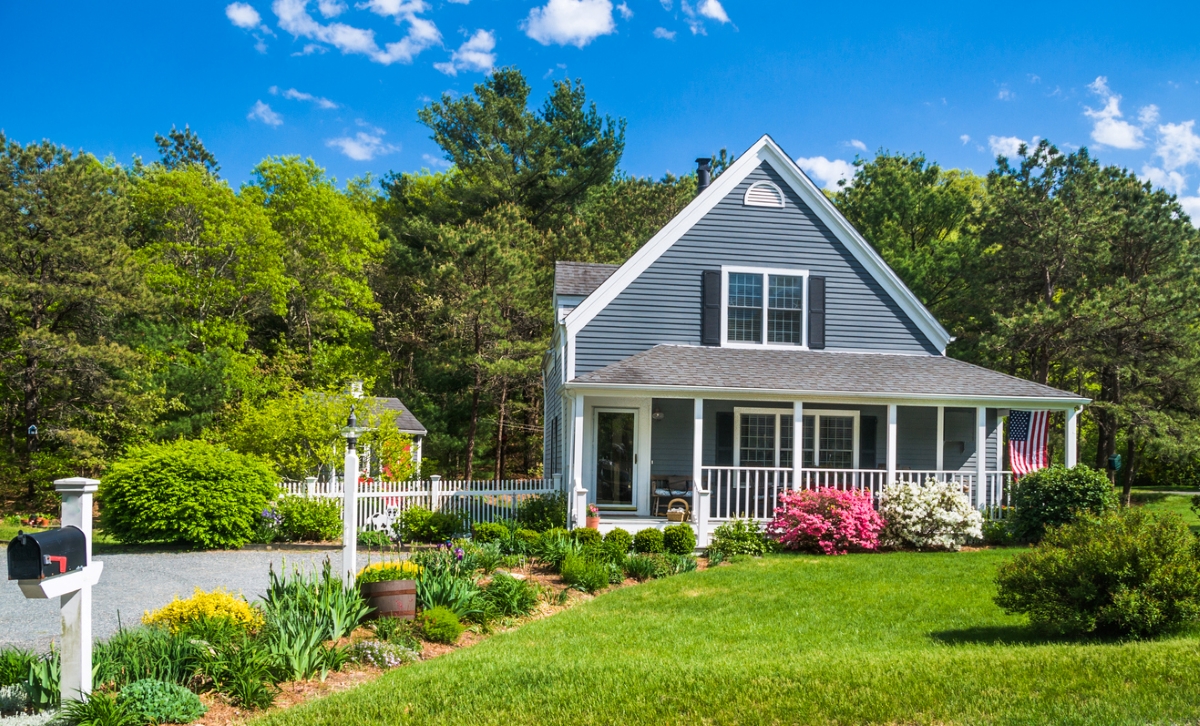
[406,422]
[580,278]
[815,372]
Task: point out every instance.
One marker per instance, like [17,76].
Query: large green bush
[441,625]
[648,541]
[1126,572]
[739,537]
[618,540]
[309,520]
[186,492]
[1054,496]
[543,512]
[679,539]
[418,524]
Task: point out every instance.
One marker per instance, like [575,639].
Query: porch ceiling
[817,372]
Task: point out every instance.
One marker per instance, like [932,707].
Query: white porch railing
[751,492]
[380,502]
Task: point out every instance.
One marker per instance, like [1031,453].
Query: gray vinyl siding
[916,437]
[552,424]
[960,428]
[663,304]
[671,438]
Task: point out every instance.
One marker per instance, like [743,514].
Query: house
[756,343]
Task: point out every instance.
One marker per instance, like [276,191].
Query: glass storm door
[615,457]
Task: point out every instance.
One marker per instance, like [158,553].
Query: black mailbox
[45,554]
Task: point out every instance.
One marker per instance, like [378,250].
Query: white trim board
[763,150]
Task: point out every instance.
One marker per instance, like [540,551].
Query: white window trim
[817,413]
[764,271]
[738,411]
[765,183]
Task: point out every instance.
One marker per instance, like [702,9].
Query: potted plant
[390,588]
[593,516]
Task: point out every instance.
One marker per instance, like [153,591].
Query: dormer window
[763,307]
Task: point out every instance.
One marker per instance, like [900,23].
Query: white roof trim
[763,150]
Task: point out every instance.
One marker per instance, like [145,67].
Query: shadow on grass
[1006,635]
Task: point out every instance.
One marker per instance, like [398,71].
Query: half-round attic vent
[764,194]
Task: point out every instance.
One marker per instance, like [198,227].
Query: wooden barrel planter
[391,598]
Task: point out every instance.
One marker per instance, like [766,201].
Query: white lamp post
[350,499]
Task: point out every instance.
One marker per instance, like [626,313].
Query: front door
[616,458]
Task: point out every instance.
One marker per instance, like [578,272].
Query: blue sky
[341,81]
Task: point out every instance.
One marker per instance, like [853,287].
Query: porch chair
[666,488]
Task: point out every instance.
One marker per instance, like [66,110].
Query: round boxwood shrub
[485,532]
[587,536]
[309,520]
[1126,572]
[618,540]
[1054,496]
[648,541]
[738,537]
[679,539]
[162,702]
[185,492]
[527,539]
[441,625]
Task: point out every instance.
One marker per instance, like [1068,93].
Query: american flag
[1027,441]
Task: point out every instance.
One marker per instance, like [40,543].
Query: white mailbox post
[350,500]
[74,590]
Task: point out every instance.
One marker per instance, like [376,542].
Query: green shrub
[641,567]
[162,702]
[526,541]
[1127,572]
[243,670]
[187,492]
[648,541]
[679,539]
[738,537]
[418,524]
[374,539]
[42,682]
[619,540]
[396,630]
[318,519]
[508,596]
[441,625]
[486,532]
[996,533]
[586,536]
[676,564]
[584,573]
[14,665]
[135,654]
[1054,496]
[554,546]
[543,512]
[102,709]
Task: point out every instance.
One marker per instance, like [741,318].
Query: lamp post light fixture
[351,433]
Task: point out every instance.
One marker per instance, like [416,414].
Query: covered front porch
[720,458]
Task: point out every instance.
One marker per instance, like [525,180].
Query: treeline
[155,301]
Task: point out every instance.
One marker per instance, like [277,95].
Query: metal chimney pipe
[703,177]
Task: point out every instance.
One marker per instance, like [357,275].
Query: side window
[761,307]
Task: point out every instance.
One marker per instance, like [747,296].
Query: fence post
[557,482]
[435,492]
[580,509]
[310,487]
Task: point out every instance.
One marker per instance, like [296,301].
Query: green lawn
[897,638]
[1158,502]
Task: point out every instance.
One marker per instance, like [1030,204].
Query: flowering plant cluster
[930,516]
[389,570]
[215,605]
[383,655]
[593,510]
[826,520]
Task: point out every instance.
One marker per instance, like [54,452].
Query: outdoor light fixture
[657,414]
[351,430]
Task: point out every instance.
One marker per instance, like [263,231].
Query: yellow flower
[389,570]
[215,605]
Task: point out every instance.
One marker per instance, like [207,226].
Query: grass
[897,638]
[1159,502]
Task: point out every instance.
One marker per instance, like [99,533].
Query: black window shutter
[816,313]
[710,307]
[724,438]
[866,442]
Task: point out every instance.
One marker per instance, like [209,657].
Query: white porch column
[891,445]
[1070,449]
[578,493]
[941,438]
[417,458]
[980,456]
[797,443]
[76,607]
[699,486]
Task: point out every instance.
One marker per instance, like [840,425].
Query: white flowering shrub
[930,516]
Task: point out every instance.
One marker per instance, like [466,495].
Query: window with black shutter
[816,313]
[724,438]
[710,307]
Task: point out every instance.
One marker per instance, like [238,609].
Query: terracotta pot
[391,598]
[593,522]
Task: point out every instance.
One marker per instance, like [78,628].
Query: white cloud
[1178,145]
[1173,181]
[712,9]
[294,18]
[363,146]
[664,34]
[1008,146]
[858,144]
[625,12]
[966,139]
[331,8]
[1191,205]
[828,171]
[570,22]
[1148,115]
[435,161]
[311,48]
[666,4]
[1109,129]
[295,95]
[473,55]
[1005,94]
[262,112]
[242,15]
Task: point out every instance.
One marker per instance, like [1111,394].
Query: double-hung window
[830,439]
[763,306]
[764,437]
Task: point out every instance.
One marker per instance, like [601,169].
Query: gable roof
[871,375]
[580,278]
[765,150]
[405,421]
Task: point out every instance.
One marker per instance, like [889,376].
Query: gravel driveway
[132,583]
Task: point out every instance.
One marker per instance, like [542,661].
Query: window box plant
[593,516]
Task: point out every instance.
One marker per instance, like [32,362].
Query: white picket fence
[380,502]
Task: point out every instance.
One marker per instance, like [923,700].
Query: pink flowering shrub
[826,520]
